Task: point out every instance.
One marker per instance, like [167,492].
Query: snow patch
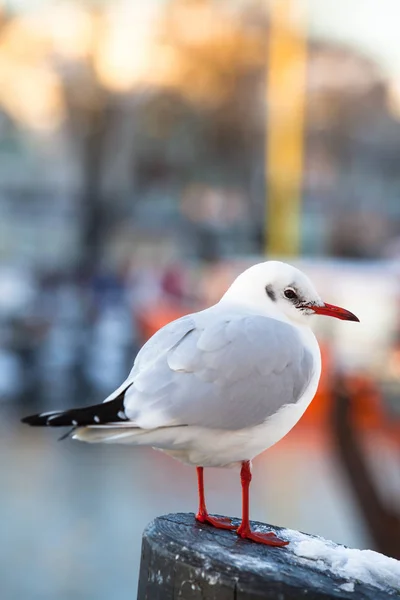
[211,578]
[157,577]
[365,566]
[347,587]
[237,560]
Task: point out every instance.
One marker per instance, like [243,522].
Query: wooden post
[182,559]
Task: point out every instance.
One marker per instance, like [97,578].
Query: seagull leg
[202,514]
[244,531]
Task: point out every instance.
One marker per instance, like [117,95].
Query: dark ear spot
[270,293]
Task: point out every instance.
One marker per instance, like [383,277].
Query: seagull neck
[254,308]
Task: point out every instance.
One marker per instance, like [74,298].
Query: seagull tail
[128,433]
[106,412]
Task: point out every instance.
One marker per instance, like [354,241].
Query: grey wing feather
[230,374]
[152,351]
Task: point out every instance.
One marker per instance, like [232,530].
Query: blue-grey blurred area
[148,154]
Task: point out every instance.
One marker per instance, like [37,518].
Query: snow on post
[184,559]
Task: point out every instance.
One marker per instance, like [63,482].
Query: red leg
[244,530]
[202,514]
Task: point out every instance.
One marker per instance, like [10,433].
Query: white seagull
[218,387]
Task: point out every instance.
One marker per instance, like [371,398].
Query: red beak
[335,311]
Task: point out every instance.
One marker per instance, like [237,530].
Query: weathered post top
[184,559]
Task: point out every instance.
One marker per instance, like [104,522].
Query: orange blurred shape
[367,405]
[367,402]
[157,316]
[318,413]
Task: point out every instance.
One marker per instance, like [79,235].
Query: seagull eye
[290,294]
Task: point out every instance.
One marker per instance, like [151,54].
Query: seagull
[218,387]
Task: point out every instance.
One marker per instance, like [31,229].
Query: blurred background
[149,151]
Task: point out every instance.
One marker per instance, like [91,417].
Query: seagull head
[281,290]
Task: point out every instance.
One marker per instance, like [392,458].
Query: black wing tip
[42,420]
[34,420]
[96,414]
[53,419]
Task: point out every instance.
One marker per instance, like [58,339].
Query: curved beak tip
[352,317]
[330,310]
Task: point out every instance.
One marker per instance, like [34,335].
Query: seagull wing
[164,339]
[228,372]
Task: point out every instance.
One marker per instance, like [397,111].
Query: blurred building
[104,151]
